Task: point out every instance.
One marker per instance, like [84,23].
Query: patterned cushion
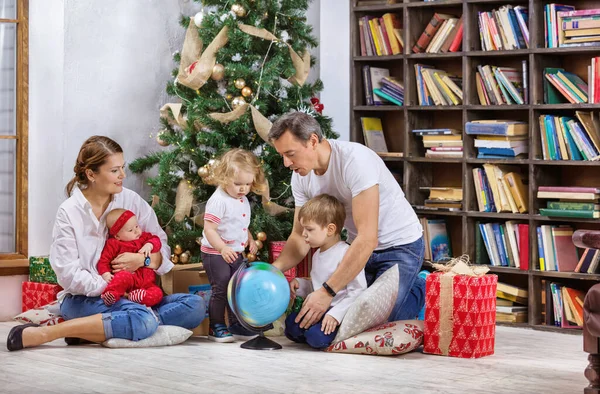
[47,315]
[388,339]
[164,336]
[372,307]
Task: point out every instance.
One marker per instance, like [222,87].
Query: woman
[78,238]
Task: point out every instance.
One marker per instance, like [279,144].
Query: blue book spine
[487,128]
[575,155]
[392,94]
[367,85]
[550,137]
[500,244]
[540,243]
[488,194]
[486,242]
[586,139]
[505,152]
[514,24]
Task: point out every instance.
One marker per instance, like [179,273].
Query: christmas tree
[242,65]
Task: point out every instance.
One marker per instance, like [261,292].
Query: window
[13,132]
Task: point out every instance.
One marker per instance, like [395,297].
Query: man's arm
[365,213]
[295,248]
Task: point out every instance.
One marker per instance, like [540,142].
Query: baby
[126,236]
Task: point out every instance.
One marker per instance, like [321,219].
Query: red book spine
[596,77]
[386,38]
[524,246]
[455,46]
[428,33]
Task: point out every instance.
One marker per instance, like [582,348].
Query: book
[439,241]
[496,127]
[373,134]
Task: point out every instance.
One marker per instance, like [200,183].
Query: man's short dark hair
[300,124]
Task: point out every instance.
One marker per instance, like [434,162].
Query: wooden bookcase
[417,170]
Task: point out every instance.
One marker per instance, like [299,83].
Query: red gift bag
[38,294]
[302,270]
[460,315]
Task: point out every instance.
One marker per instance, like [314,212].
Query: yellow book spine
[375,37]
[389,27]
[446,89]
[574,88]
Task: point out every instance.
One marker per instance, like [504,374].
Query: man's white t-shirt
[352,169]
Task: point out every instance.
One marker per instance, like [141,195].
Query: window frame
[10,262]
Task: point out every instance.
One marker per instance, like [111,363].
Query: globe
[258,294]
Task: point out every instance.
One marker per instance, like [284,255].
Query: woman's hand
[127,262]
[328,324]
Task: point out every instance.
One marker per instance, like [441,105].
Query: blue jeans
[312,335]
[411,289]
[130,320]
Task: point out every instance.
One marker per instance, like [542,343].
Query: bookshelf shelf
[419,171]
[543,327]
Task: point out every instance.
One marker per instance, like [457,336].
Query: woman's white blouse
[78,238]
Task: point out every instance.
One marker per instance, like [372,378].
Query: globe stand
[261,343]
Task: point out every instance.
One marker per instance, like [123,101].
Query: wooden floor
[526,361]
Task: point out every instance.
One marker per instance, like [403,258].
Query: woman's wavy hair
[93,154]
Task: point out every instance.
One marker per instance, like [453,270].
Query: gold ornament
[174,258]
[160,140]
[218,72]
[185,257]
[239,83]
[262,236]
[239,10]
[239,100]
[178,249]
[246,91]
[203,172]
[229,97]
[259,244]
[266,15]
[251,257]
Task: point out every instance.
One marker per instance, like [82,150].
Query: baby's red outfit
[141,284]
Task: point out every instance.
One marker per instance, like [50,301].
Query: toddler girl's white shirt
[78,238]
[324,265]
[232,216]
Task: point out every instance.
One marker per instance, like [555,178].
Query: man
[383,229]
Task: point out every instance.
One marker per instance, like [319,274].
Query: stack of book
[589,261]
[501,85]
[436,87]
[567,138]
[500,189]
[556,251]
[444,33]
[444,198]
[506,244]
[504,29]
[566,27]
[380,36]
[511,303]
[570,86]
[442,143]
[564,306]
[499,139]
[437,241]
[381,88]
[574,202]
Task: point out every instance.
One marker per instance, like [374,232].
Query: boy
[322,219]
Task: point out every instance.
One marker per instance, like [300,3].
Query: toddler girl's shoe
[240,333]
[219,333]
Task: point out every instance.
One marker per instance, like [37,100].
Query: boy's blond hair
[112,216]
[323,210]
[235,160]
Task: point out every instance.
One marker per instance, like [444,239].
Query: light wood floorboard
[526,361]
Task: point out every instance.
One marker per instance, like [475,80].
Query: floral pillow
[387,339]
[372,307]
[47,315]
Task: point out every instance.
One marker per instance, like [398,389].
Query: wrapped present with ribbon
[41,271]
[460,310]
[36,294]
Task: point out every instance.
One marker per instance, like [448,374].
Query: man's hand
[315,305]
[294,285]
[146,249]
[127,262]
[107,276]
[329,324]
[228,254]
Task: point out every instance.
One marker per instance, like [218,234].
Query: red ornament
[314,101]
[319,108]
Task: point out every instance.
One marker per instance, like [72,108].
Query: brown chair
[591,316]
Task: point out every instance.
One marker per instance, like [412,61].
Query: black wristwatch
[329,289]
[147,261]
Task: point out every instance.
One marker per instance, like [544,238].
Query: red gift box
[460,315]
[302,270]
[38,294]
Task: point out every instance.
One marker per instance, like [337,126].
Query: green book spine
[481,255]
[386,96]
[577,206]
[569,213]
